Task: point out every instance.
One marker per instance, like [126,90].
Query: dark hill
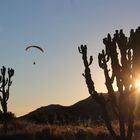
[82,110]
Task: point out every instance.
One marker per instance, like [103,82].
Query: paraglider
[36,47]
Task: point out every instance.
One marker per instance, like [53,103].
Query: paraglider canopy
[33,46]
[36,47]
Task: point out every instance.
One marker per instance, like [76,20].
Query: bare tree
[120,61]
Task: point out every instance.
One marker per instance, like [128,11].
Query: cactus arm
[99,98]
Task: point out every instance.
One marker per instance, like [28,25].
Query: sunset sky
[59,27]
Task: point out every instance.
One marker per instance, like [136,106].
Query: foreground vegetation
[24,130]
[120,63]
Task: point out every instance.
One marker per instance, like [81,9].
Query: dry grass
[29,131]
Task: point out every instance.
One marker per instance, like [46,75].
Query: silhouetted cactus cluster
[4,89]
[120,61]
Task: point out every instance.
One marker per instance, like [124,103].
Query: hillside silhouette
[83,110]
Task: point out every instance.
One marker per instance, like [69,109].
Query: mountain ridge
[82,110]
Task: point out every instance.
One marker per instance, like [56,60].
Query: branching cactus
[4,89]
[120,61]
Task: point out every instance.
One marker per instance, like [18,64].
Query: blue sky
[59,27]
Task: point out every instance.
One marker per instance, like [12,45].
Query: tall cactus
[4,89]
[120,61]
